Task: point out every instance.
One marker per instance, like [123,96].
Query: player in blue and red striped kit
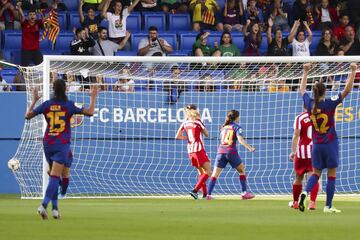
[228,153]
[325,152]
[194,129]
[57,112]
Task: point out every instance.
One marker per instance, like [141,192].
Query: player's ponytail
[231,117]
[319,91]
[192,112]
[59,88]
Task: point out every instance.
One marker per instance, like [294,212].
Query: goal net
[128,147]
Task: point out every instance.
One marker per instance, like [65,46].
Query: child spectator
[90,21]
[339,30]
[233,11]
[253,13]
[252,39]
[327,15]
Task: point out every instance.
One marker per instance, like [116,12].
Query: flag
[51,27]
[208,17]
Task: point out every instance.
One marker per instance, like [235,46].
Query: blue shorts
[223,158]
[325,155]
[60,154]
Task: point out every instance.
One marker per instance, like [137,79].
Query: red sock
[314,192]
[201,181]
[203,187]
[296,191]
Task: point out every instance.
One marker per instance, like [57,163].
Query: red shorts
[198,158]
[302,166]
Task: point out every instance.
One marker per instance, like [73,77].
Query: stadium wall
[150,114]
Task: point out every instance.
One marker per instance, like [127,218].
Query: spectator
[279,45]
[252,39]
[82,43]
[148,6]
[233,11]
[7,16]
[354,11]
[201,48]
[72,85]
[300,11]
[350,43]
[174,6]
[153,46]
[206,84]
[4,87]
[204,14]
[253,13]
[175,86]
[327,15]
[227,48]
[117,20]
[301,45]
[101,82]
[278,86]
[279,16]
[237,76]
[90,21]
[339,30]
[125,83]
[105,47]
[30,52]
[44,7]
[327,45]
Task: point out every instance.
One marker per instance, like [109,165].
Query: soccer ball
[13,164]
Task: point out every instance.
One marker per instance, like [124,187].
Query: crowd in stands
[291,27]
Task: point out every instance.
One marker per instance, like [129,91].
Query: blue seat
[133,22]
[238,40]
[62,21]
[12,40]
[126,53]
[156,19]
[63,41]
[179,22]
[169,37]
[72,5]
[214,37]
[314,43]
[74,21]
[187,40]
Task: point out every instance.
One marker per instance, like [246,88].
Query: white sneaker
[56,214]
[42,212]
[331,210]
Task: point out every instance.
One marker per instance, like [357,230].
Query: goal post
[128,147]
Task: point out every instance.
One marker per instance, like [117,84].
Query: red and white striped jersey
[193,131]
[303,123]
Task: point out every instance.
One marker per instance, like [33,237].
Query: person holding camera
[153,45]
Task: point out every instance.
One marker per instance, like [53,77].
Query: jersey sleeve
[40,109]
[307,101]
[201,124]
[297,124]
[75,109]
[238,131]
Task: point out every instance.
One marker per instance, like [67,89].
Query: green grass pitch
[177,219]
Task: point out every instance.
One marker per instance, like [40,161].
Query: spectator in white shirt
[301,45]
[154,46]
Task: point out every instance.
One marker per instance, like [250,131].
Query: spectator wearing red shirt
[7,15]
[339,30]
[327,15]
[30,51]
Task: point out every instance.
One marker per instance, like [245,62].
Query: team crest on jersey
[334,98]
[77,119]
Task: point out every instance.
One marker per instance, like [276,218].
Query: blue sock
[50,190]
[54,201]
[243,182]
[211,185]
[311,183]
[330,190]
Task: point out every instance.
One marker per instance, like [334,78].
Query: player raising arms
[194,128]
[325,153]
[301,155]
[57,112]
[228,153]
